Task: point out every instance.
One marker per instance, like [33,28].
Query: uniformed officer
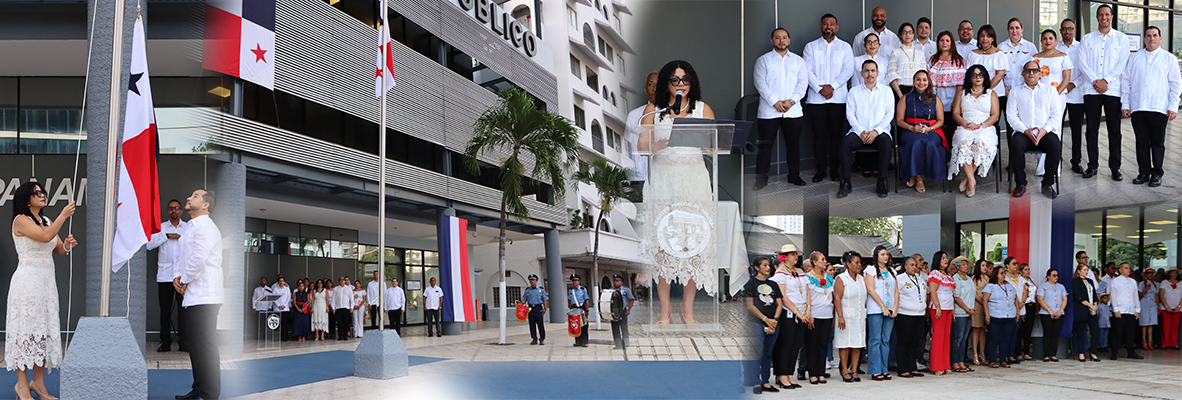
[620,326]
[535,297]
[578,298]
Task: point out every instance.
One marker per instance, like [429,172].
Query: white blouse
[905,61]
[913,292]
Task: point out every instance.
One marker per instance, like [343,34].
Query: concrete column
[555,283]
[229,213]
[816,222]
[949,235]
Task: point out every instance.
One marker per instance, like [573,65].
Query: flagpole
[112,160]
[382,175]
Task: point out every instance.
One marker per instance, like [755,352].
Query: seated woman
[921,115]
[974,145]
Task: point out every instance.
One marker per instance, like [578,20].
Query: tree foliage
[881,226]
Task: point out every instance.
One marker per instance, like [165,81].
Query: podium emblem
[273,322]
[683,230]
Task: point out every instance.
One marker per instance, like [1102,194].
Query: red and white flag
[137,215]
[240,40]
[386,66]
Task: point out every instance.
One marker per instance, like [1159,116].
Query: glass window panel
[1087,236]
[1161,236]
[1160,3]
[50,115]
[1122,244]
[576,67]
[970,240]
[413,285]
[1088,12]
[8,113]
[431,258]
[997,238]
[1130,19]
[1177,49]
[414,257]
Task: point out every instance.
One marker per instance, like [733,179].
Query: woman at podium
[679,213]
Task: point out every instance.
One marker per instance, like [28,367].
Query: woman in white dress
[849,303]
[32,328]
[319,311]
[679,214]
[1056,69]
[974,145]
[1148,289]
[992,58]
[359,309]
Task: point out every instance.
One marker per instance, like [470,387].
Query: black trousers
[1050,335]
[1025,343]
[1124,331]
[620,331]
[1020,144]
[1075,119]
[828,122]
[789,128]
[1110,105]
[852,142]
[343,317]
[537,327]
[332,321]
[817,342]
[395,320]
[201,336]
[909,336]
[1080,333]
[169,298]
[1150,130]
[434,315]
[285,325]
[374,316]
[581,340]
[788,345]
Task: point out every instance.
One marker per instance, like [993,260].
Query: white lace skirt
[319,315]
[679,237]
[32,328]
[977,147]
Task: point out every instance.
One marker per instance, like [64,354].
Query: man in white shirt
[395,303]
[639,171]
[1075,106]
[275,286]
[830,63]
[781,80]
[967,43]
[1126,309]
[283,307]
[263,290]
[887,38]
[1103,55]
[1109,274]
[432,296]
[1152,86]
[199,278]
[1034,113]
[870,112]
[923,34]
[371,296]
[168,241]
[342,303]
[1018,52]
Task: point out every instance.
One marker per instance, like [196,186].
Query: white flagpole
[113,144]
[382,175]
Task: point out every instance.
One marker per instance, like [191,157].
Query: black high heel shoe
[847,380]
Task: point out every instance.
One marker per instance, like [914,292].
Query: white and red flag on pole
[137,214]
[240,40]
[386,65]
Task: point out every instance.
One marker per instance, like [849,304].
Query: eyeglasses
[908,33]
[872,42]
[675,81]
[1067,28]
[39,193]
[1031,71]
[977,75]
[174,208]
[964,29]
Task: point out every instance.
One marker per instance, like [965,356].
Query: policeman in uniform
[620,326]
[537,300]
[578,298]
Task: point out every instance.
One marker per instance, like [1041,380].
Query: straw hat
[789,248]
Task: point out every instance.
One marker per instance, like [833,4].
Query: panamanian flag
[240,40]
[454,273]
[138,211]
[385,73]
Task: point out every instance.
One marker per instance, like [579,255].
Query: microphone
[677,101]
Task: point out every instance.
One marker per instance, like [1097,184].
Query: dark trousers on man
[169,298]
[853,141]
[374,316]
[1049,144]
[1075,120]
[343,317]
[285,325]
[789,128]
[1124,332]
[581,340]
[201,338]
[395,320]
[620,331]
[828,122]
[1150,130]
[434,315]
[537,327]
[1110,105]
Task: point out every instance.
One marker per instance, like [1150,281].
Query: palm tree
[517,126]
[612,184]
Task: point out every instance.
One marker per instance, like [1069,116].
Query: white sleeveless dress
[679,238]
[977,147]
[32,327]
[320,311]
[853,309]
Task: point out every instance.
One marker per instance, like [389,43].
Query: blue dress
[920,153]
[301,323]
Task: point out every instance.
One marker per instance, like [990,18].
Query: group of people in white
[940,101]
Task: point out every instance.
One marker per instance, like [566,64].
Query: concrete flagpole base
[453,328]
[104,361]
[381,355]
